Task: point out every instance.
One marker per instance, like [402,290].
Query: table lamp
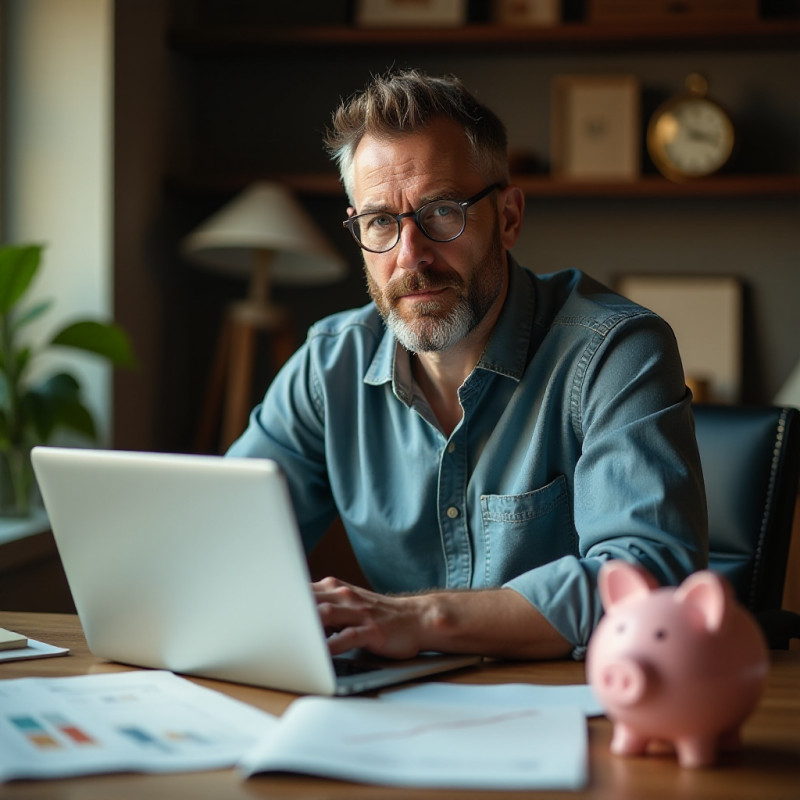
[265,236]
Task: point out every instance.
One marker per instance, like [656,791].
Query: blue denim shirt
[576,445]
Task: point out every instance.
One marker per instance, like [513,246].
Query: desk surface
[768,768]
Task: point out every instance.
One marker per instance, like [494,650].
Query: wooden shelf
[264,41]
[654,186]
[674,35]
[538,186]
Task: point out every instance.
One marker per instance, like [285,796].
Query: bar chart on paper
[144,721]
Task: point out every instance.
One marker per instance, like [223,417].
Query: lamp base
[229,395]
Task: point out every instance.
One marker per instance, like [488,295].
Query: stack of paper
[429,735]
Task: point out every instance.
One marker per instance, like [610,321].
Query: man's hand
[491,622]
[353,617]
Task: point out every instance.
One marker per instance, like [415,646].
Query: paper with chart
[145,721]
[443,746]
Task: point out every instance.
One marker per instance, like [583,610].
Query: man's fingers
[344,640]
[354,617]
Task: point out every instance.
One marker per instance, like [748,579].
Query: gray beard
[429,331]
[432,334]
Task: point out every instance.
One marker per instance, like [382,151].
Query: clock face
[691,138]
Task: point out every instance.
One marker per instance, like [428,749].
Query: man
[488,437]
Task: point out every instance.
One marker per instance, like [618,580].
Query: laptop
[194,564]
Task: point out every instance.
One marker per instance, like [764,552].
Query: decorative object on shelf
[264,235]
[595,125]
[410,13]
[34,406]
[699,385]
[705,313]
[655,11]
[690,135]
[526,12]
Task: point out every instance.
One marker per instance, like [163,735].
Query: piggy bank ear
[708,593]
[618,580]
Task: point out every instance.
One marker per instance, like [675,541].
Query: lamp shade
[265,218]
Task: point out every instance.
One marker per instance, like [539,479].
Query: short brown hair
[402,102]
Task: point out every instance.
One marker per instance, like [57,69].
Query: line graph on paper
[439,727]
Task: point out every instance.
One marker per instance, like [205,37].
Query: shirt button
[451,448]
[452,512]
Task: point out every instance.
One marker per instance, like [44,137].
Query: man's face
[431,294]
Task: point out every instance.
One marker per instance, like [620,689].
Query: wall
[141,87]
[57,166]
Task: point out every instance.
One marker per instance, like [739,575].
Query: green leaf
[21,359]
[77,417]
[5,393]
[37,412]
[18,266]
[56,403]
[103,339]
[61,385]
[34,312]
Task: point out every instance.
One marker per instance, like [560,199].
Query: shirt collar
[506,352]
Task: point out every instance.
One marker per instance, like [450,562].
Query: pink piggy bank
[683,665]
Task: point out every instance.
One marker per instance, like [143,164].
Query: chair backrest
[751,464]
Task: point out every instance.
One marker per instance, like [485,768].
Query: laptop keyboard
[346,666]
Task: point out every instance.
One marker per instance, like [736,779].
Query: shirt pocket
[524,531]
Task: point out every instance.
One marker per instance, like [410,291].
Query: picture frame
[526,12]
[706,314]
[596,127]
[410,13]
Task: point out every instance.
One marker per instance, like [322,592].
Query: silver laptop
[194,564]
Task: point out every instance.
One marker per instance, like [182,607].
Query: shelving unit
[272,42]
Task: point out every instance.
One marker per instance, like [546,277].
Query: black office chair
[751,464]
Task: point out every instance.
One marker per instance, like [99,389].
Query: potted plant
[33,407]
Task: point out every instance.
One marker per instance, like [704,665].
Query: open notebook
[194,564]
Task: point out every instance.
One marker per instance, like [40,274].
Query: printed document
[143,721]
[442,746]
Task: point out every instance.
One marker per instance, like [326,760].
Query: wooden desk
[767,769]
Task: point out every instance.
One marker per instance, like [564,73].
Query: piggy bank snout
[623,681]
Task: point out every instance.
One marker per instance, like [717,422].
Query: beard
[431,326]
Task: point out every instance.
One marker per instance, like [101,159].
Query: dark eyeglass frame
[463,205]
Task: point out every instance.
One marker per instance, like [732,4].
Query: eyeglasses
[439,220]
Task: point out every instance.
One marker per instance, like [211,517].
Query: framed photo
[595,127]
[705,312]
[410,13]
[526,12]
